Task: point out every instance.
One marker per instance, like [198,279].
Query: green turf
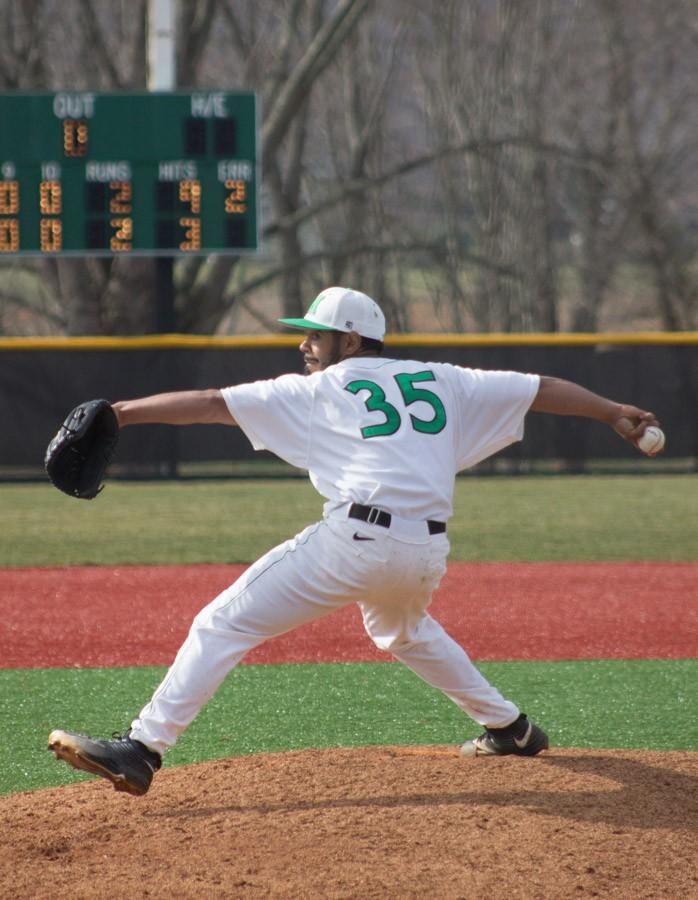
[612,704]
[533,518]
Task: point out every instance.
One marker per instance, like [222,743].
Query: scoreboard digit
[90,174]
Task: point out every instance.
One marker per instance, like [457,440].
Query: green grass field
[566,517]
[591,703]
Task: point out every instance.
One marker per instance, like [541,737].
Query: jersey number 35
[376,402]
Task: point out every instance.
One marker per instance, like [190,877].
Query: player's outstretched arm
[565,398]
[177,408]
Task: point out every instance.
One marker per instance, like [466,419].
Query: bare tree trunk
[83,311]
[129,298]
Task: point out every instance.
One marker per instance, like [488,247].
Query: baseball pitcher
[382,441]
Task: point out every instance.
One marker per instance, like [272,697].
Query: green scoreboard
[84,173]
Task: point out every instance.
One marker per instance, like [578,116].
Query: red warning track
[139,615]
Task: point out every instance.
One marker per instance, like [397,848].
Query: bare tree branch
[376,105]
[100,51]
[317,57]
[264,321]
[405,247]
[474,147]
[22,302]
[194,26]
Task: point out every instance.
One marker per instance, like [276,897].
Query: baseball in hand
[652,441]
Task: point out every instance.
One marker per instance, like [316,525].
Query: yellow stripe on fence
[210,342]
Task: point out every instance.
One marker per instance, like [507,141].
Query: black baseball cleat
[127,763]
[521,738]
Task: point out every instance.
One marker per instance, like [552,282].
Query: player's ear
[352,343]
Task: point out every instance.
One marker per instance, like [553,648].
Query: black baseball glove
[78,456]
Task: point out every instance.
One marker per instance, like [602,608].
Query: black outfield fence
[42,379]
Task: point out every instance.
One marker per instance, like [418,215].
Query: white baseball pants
[391,577]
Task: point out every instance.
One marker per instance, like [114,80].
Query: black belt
[375,516]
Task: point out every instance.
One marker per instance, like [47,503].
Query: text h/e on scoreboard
[85,173]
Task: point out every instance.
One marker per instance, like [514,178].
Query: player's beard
[334,355]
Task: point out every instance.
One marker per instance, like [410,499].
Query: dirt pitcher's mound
[367,823]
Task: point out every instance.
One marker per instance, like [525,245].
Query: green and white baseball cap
[342,309]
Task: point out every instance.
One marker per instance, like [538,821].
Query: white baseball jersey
[385,432]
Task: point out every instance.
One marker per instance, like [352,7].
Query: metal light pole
[162,77]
